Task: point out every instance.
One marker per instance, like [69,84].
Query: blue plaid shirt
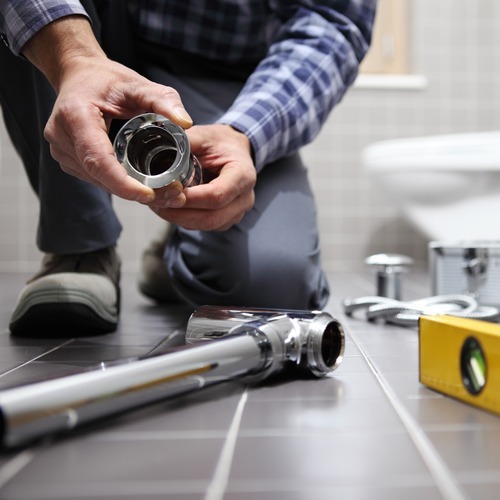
[307,54]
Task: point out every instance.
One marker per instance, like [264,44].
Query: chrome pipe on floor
[309,340]
[249,350]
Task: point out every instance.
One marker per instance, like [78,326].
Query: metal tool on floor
[389,269]
[408,313]
[460,358]
[388,306]
[243,344]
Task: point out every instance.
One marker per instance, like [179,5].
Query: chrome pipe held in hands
[156,152]
[251,345]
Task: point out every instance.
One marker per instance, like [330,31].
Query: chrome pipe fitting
[389,270]
[156,152]
[312,340]
[247,344]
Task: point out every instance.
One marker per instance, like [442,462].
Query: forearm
[91,91]
[57,45]
[309,67]
[20,20]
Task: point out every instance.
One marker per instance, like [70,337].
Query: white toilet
[447,186]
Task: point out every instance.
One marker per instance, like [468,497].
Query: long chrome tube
[250,350]
[34,410]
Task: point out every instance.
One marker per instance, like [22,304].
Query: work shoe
[153,280]
[71,295]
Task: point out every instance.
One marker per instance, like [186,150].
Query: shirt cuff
[23,19]
[258,121]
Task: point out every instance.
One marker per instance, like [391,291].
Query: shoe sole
[48,309]
[60,320]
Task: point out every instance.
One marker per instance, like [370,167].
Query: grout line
[14,466]
[36,357]
[164,340]
[442,475]
[217,487]
[19,462]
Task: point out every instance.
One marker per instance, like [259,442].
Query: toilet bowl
[446,186]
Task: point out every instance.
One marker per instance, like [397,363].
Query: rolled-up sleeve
[313,60]
[21,19]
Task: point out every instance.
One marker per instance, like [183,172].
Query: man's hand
[91,90]
[225,155]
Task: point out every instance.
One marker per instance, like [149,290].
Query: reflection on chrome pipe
[311,340]
[34,410]
[251,350]
[156,152]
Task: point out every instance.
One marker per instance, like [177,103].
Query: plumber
[251,81]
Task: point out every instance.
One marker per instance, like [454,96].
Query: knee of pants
[239,273]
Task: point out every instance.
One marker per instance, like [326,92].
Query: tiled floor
[367,431]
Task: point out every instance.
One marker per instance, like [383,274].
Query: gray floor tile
[321,416]
[341,459]
[484,490]
[369,430]
[358,492]
[447,413]
[475,450]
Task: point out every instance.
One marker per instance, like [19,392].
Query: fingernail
[183,115]
[146,198]
[174,203]
[167,194]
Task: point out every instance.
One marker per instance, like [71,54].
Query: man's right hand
[91,90]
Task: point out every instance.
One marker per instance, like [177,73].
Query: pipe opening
[332,344]
[152,151]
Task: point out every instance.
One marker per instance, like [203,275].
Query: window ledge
[391,82]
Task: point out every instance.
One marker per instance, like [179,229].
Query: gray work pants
[270,259]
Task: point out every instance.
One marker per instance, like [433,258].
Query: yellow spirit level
[460,357]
